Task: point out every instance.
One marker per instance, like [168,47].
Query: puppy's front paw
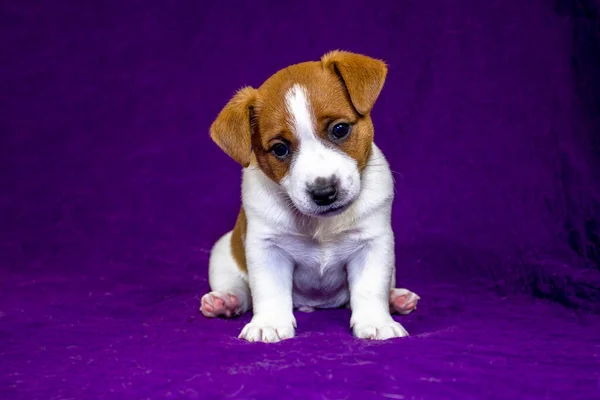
[267,331]
[388,329]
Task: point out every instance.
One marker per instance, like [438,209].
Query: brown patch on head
[362,78]
[238,237]
[342,87]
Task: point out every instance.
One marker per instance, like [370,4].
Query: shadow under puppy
[314,229]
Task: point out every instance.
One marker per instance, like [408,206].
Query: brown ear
[232,129]
[363,77]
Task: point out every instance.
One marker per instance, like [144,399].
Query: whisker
[383,166]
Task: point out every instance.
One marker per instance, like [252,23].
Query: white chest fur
[320,278]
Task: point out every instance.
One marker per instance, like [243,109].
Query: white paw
[379,330]
[267,331]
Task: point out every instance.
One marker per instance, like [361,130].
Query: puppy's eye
[280,150]
[340,130]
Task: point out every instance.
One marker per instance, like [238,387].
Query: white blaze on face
[313,159]
[300,113]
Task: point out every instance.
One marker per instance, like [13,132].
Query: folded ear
[363,77]
[232,129]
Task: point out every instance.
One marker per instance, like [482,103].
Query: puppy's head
[308,128]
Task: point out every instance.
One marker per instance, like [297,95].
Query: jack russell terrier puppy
[314,229]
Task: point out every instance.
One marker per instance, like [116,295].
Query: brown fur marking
[238,237]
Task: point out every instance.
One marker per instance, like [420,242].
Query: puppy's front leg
[369,278]
[270,274]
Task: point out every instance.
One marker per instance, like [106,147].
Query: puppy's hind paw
[220,304]
[403,301]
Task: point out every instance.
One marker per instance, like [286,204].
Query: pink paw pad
[218,304]
[403,301]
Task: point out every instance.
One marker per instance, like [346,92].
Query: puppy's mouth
[324,211]
[332,210]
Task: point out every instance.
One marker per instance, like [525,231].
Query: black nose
[323,192]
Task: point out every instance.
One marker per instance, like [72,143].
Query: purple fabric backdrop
[112,193]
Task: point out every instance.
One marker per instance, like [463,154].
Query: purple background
[111,195]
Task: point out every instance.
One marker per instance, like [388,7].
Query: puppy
[314,228]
